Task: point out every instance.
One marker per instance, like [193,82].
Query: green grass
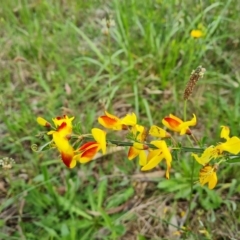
[55,60]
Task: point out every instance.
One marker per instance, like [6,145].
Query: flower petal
[129,120]
[225,132]
[68,158]
[88,155]
[208,175]
[156,131]
[176,124]
[87,145]
[66,150]
[43,122]
[153,162]
[100,136]
[196,33]
[184,127]
[171,123]
[59,120]
[166,153]
[139,132]
[232,145]
[110,121]
[208,154]
[133,152]
[213,181]
[142,158]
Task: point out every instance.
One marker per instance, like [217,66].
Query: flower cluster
[150,154]
[151,146]
[61,134]
[208,172]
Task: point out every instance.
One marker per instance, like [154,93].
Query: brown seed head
[194,77]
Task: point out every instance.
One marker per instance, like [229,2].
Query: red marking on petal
[85,146]
[62,126]
[109,121]
[172,122]
[67,159]
[90,153]
[132,153]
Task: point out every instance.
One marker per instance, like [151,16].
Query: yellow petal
[175,118]
[168,171]
[232,145]
[43,122]
[172,122]
[133,152]
[156,131]
[184,127]
[59,120]
[66,150]
[208,175]
[196,33]
[212,181]
[110,121]
[153,162]
[129,120]
[225,132]
[142,158]
[88,154]
[100,137]
[139,132]
[209,154]
[157,143]
[166,153]
[153,153]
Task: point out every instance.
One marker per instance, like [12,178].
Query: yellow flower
[208,175]
[61,136]
[176,124]
[196,33]
[113,122]
[64,119]
[89,149]
[65,149]
[130,119]
[225,132]
[157,155]
[138,148]
[156,131]
[231,145]
[209,154]
[110,121]
[43,122]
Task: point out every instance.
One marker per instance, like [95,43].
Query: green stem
[185,110]
[110,58]
[191,186]
[192,168]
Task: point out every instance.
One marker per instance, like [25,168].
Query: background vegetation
[55,60]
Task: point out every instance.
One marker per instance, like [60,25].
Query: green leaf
[120,197]
[233,160]
[101,192]
[49,230]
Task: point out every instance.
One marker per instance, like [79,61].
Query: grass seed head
[194,77]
